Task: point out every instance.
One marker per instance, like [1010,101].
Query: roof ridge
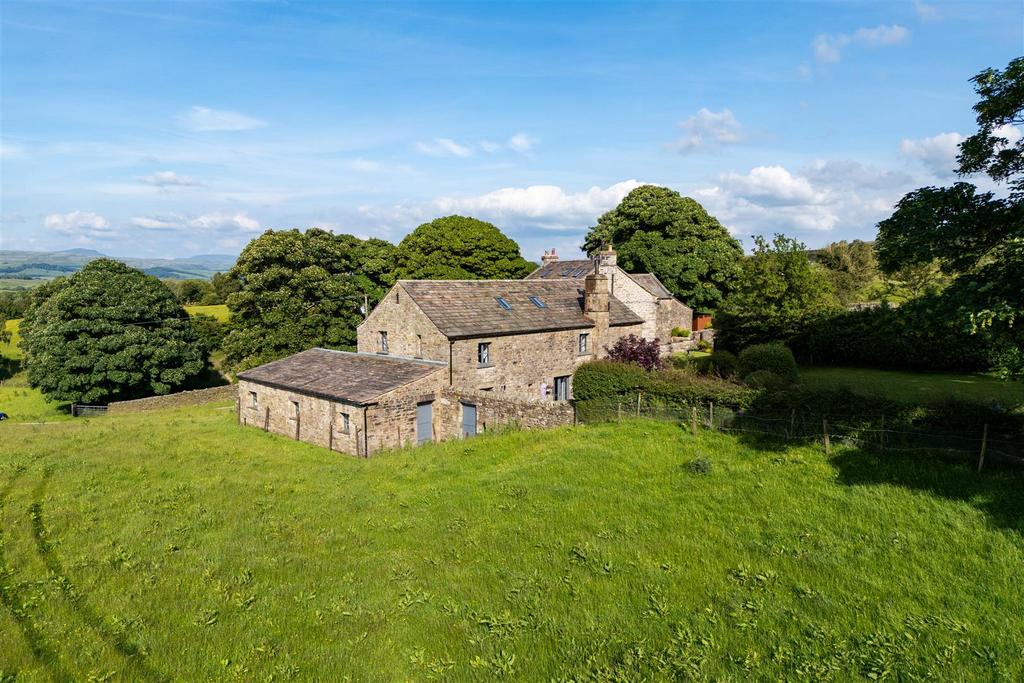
[383,356]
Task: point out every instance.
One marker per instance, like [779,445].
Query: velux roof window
[503,303]
[537,302]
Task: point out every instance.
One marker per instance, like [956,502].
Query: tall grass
[180,545]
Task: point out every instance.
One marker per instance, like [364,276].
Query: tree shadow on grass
[998,491]
[9,367]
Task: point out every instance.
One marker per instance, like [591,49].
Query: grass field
[918,387]
[179,545]
[10,349]
[219,311]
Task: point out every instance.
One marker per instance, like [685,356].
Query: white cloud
[165,179]
[827,195]
[207,222]
[773,186]
[365,165]
[204,119]
[926,12]
[938,152]
[78,222]
[708,129]
[9,150]
[441,147]
[521,142]
[548,205]
[828,48]
[1008,132]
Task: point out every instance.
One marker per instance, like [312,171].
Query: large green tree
[655,229]
[976,236]
[107,333]
[459,248]
[299,290]
[852,269]
[778,289]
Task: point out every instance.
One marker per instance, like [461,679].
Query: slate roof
[469,308]
[576,270]
[340,375]
[652,284]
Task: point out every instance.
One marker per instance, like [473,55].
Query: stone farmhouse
[440,359]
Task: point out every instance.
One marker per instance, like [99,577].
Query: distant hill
[40,265]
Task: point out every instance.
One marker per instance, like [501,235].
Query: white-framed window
[253,400]
[383,341]
[346,423]
[483,353]
[584,342]
[562,388]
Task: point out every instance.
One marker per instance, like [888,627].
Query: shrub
[633,349]
[604,378]
[765,380]
[704,345]
[700,466]
[722,363]
[775,358]
[672,388]
[680,332]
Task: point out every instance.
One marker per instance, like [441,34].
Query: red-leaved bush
[633,349]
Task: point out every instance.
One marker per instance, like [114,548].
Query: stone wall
[391,421]
[410,331]
[318,420]
[671,314]
[636,299]
[177,400]
[495,411]
[520,363]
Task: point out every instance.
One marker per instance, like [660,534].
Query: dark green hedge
[611,380]
[923,334]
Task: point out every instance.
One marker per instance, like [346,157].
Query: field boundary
[182,398]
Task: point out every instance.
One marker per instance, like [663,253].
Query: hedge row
[611,380]
[922,334]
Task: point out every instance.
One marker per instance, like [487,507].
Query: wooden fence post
[711,421]
[266,420]
[620,411]
[638,395]
[298,421]
[828,444]
[330,427]
[693,420]
[984,442]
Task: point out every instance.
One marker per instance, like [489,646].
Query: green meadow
[178,545]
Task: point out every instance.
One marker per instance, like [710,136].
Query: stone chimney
[595,308]
[548,257]
[606,258]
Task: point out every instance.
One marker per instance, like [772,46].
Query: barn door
[424,422]
[468,419]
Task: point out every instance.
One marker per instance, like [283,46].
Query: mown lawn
[918,387]
[179,545]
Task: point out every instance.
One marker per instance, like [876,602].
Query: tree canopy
[299,290]
[975,236]
[459,248]
[106,333]
[655,229]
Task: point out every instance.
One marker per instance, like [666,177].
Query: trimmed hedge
[774,358]
[607,380]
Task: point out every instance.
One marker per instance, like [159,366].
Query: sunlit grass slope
[179,545]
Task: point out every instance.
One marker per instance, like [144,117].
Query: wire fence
[976,443]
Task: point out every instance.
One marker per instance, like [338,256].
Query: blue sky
[170,129]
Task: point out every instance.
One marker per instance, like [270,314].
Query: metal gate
[424,422]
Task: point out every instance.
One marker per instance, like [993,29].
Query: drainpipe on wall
[366,436]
